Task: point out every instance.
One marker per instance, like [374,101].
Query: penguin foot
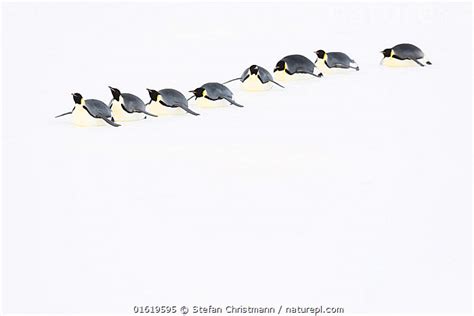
[429,63]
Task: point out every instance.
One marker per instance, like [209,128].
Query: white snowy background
[351,190]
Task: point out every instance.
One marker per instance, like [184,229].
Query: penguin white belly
[120,115]
[206,103]
[254,84]
[393,62]
[321,65]
[82,118]
[159,109]
[283,76]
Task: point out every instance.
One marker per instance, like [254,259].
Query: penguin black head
[198,92]
[115,93]
[77,98]
[280,66]
[153,94]
[253,69]
[320,53]
[387,52]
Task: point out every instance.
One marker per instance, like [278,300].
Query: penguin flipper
[67,113]
[416,61]
[110,122]
[276,83]
[148,113]
[187,109]
[233,102]
[231,80]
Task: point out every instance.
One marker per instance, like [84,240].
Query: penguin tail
[67,113]
[233,102]
[148,113]
[110,122]
[188,110]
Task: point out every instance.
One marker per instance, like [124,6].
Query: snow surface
[352,190]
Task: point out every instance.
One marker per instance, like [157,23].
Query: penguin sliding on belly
[334,62]
[256,78]
[168,102]
[212,94]
[404,55]
[127,107]
[90,112]
[293,66]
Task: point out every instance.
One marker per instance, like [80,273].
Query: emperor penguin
[256,78]
[90,112]
[289,67]
[168,101]
[404,55]
[334,62]
[127,107]
[212,94]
